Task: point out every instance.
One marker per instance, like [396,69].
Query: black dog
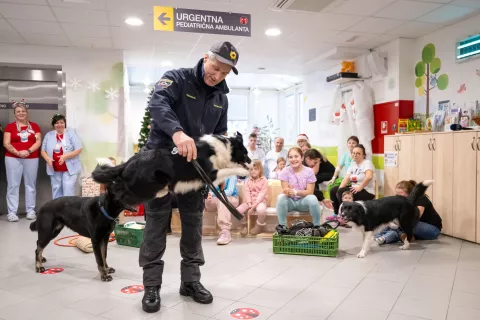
[151,173]
[92,217]
[372,215]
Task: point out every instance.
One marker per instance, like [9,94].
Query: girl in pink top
[254,197]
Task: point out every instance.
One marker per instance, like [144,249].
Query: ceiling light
[134,21]
[261,69]
[273,32]
[167,63]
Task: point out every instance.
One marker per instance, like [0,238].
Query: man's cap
[226,53]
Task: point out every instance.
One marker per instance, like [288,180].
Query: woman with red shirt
[21,139]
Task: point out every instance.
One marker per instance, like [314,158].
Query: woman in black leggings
[360,176]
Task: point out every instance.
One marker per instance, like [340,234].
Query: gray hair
[211,56]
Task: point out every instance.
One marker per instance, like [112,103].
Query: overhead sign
[200,21]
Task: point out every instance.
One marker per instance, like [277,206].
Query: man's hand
[186,145]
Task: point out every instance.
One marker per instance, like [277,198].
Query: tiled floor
[433,280]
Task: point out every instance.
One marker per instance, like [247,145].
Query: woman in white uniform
[61,149]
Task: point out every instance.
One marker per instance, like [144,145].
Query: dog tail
[33,226]
[419,191]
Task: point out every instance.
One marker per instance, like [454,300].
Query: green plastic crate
[306,246]
[129,237]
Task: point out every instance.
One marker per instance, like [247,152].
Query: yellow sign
[163,18]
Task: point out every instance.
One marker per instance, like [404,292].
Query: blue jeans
[390,235]
[16,168]
[286,204]
[63,184]
[425,231]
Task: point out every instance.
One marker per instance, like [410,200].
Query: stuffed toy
[348,66]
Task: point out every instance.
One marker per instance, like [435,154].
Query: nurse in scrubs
[61,150]
[21,139]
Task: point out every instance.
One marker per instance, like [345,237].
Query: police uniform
[182,102]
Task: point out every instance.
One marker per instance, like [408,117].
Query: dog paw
[106,278]
[361,254]
[44,259]
[40,269]
[404,247]
[110,270]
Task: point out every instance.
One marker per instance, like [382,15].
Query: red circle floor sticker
[53,271]
[244,313]
[132,289]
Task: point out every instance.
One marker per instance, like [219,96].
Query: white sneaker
[225,238]
[31,216]
[12,218]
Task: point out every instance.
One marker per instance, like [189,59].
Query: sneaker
[380,240]
[31,216]
[12,218]
[225,238]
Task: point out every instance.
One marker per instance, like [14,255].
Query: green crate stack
[307,246]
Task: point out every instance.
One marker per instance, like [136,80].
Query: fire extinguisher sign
[384,127]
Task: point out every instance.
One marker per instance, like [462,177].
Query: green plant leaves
[435,65]
[428,53]
[419,82]
[420,69]
[442,82]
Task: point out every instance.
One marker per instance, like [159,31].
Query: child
[281,163]
[254,197]
[347,196]
[224,216]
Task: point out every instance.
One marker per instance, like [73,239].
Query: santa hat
[302,136]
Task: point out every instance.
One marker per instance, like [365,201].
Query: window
[237,113]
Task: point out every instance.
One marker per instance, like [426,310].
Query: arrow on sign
[162,18]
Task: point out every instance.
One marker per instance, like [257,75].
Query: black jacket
[183,102]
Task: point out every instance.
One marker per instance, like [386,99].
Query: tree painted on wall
[427,74]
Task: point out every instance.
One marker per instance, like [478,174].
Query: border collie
[152,173]
[373,215]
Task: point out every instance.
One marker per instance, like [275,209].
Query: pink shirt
[298,181]
[255,191]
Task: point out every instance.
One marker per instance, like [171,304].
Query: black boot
[197,291]
[151,299]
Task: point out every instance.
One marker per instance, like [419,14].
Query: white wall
[458,73]
[99,121]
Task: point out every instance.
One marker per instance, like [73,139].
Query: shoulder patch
[164,83]
[217,106]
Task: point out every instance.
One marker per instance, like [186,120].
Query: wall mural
[427,74]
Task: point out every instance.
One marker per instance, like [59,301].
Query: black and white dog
[152,173]
[370,216]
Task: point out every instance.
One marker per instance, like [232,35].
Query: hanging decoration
[75,83]
[111,93]
[93,86]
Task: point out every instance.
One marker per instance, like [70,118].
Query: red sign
[243,20]
[244,313]
[132,289]
[53,271]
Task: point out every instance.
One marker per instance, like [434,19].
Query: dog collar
[105,213]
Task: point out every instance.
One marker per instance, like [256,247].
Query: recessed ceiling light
[167,63]
[261,69]
[134,21]
[273,32]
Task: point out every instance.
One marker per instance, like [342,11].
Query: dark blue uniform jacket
[183,102]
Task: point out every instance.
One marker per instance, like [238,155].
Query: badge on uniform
[164,83]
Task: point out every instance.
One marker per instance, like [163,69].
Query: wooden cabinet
[423,155]
[403,146]
[452,159]
[442,168]
[390,173]
[465,185]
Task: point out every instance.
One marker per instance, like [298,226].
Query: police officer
[187,104]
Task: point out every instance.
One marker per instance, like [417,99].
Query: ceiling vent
[300,5]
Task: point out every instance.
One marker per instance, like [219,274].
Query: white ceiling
[305,36]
